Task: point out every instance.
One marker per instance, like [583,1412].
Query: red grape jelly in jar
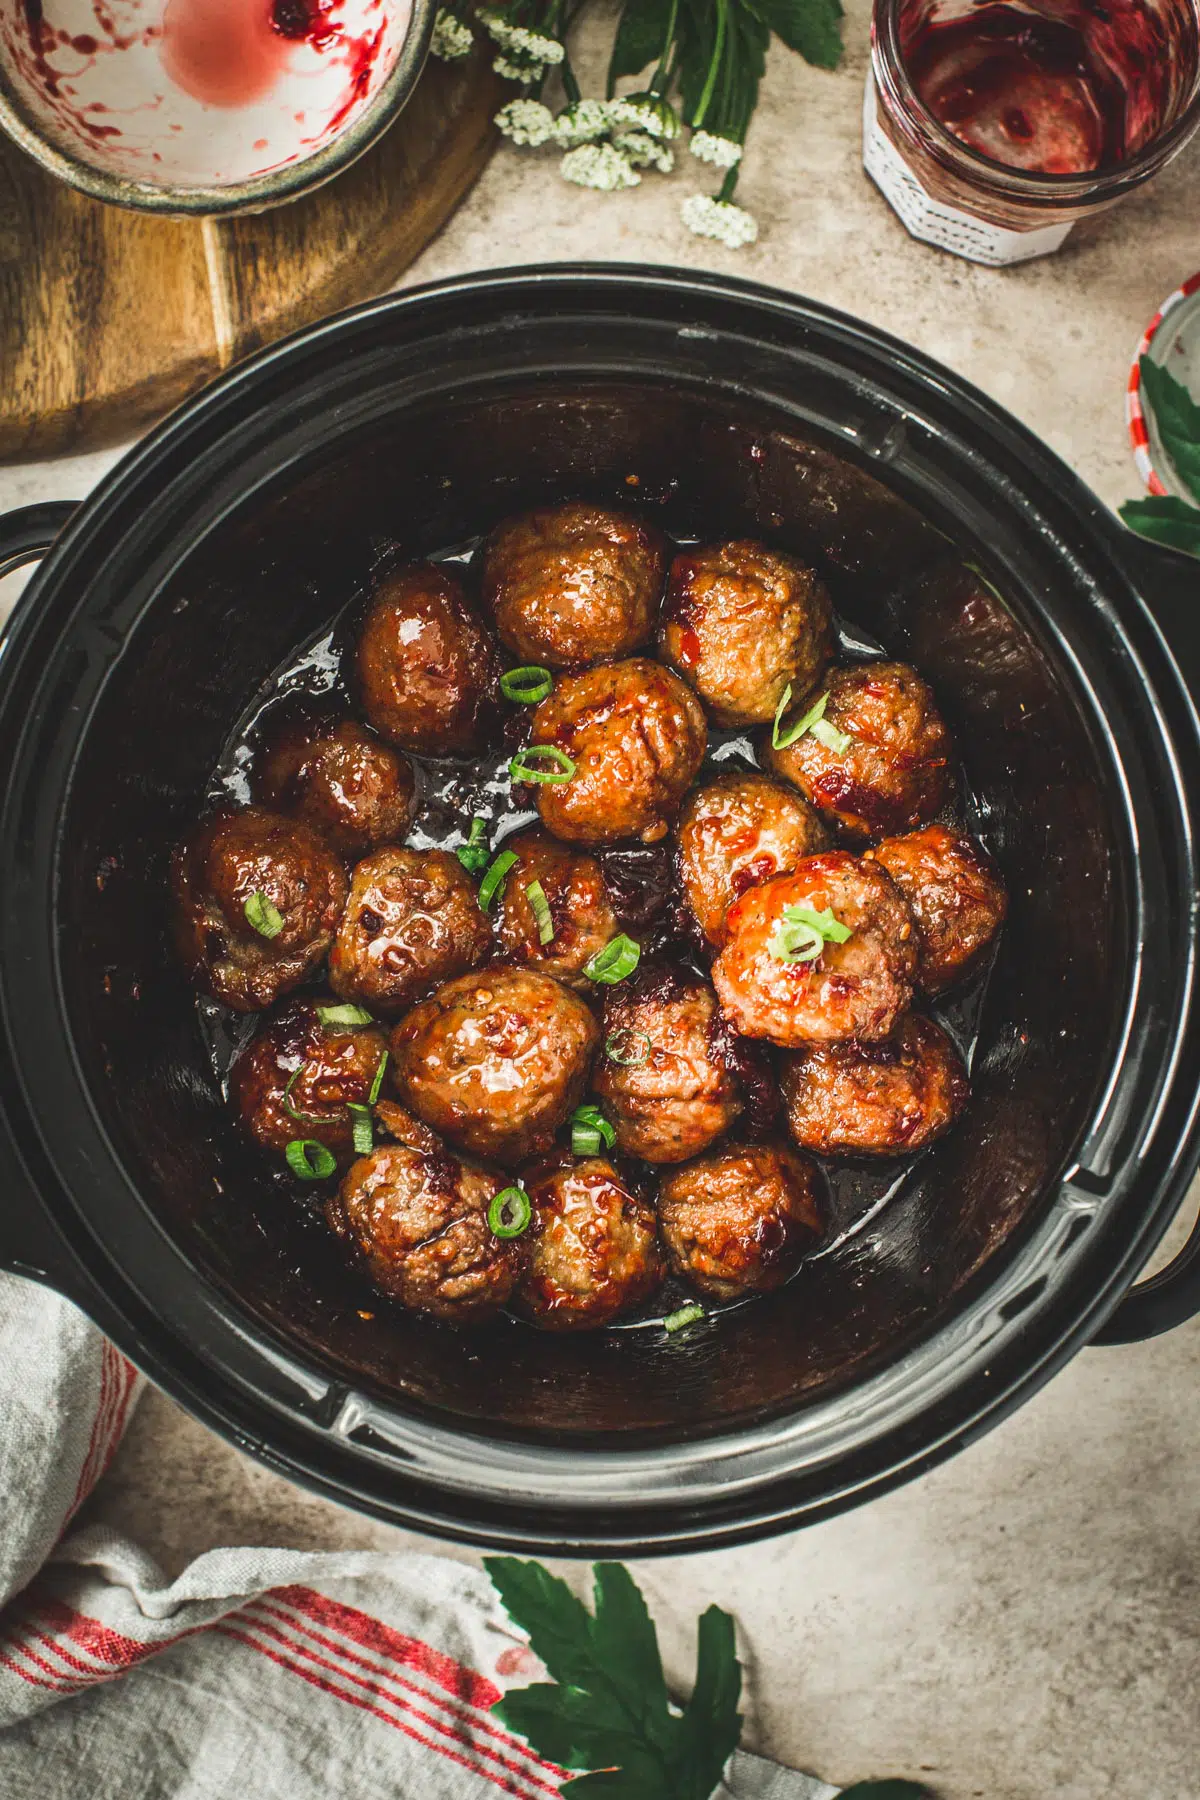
[992,127]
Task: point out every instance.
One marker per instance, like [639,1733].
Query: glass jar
[1077,101]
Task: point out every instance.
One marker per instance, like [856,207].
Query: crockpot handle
[29,532]
[1169,583]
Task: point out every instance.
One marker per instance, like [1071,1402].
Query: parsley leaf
[813,27]
[641,37]
[1177,420]
[1165,521]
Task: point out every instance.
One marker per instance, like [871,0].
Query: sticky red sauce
[223,52]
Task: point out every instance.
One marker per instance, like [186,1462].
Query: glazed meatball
[739,1220]
[583,921]
[571,584]
[636,736]
[413,919]
[327,1067]
[894,773]
[879,1099]
[341,780]
[956,896]
[285,874]
[420,1222]
[591,1250]
[736,832]
[857,988]
[496,1061]
[673,1102]
[742,623]
[427,669]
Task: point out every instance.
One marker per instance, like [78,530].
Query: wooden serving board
[108,317]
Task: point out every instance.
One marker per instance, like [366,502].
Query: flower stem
[658,81]
[730,182]
[697,118]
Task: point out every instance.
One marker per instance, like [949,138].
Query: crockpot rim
[129,471]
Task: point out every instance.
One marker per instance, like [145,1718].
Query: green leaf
[626,1643]
[640,1779]
[886,1790]
[711,1725]
[559,1625]
[578,1729]
[641,34]
[813,27]
[1177,417]
[1166,521]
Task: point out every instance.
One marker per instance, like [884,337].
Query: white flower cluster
[645,112]
[599,166]
[731,225]
[526,55]
[527,122]
[644,152]
[451,38]
[722,152]
[586,122]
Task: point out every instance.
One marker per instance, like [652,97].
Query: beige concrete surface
[1022,1624]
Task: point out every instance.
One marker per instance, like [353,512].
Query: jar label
[932,220]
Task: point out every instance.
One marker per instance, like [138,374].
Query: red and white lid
[1172,338]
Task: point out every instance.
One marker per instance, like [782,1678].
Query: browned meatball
[591,1250]
[427,669]
[894,773]
[878,1099]
[671,1104]
[736,832]
[413,919]
[342,780]
[857,988]
[328,1066]
[741,623]
[739,1220]
[421,1223]
[496,1061]
[571,584]
[580,914]
[956,896]
[637,737]
[294,885]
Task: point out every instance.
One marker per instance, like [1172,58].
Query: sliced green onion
[535,893]
[541,762]
[377,1082]
[310,1160]
[509,1213]
[262,915]
[350,1016]
[495,878]
[473,855]
[801,934]
[527,685]
[781,739]
[293,1112]
[619,958]
[625,1047]
[589,1130]
[687,1315]
[362,1135]
[829,735]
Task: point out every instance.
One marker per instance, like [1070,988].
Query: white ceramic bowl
[205,106]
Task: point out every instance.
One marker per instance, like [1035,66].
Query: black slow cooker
[1062,651]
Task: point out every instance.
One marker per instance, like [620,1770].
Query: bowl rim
[169,199]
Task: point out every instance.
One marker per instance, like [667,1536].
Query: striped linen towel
[275,1674]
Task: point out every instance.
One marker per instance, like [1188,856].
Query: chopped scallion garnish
[542,763]
[310,1160]
[589,1130]
[293,1112]
[801,934]
[347,1016]
[687,1315]
[813,720]
[361,1134]
[619,958]
[629,1048]
[262,915]
[829,735]
[495,878]
[377,1082]
[473,855]
[509,1213]
[535,893]
[527,685]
